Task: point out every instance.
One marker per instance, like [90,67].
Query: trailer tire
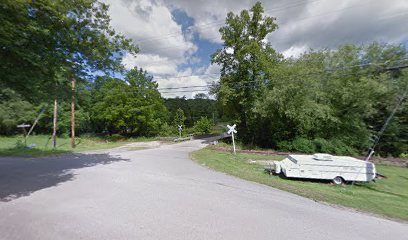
[338,180]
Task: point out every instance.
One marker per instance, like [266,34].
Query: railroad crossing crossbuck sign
[232,131]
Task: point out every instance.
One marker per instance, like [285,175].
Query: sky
[177,37]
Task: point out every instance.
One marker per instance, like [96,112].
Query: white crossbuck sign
[232,131]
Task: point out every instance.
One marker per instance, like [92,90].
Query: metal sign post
[180,127]
[232,131]
[24,126]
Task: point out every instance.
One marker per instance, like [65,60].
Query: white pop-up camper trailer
[325,166]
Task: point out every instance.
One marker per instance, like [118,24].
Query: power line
[240,85]
[334,69]
[221,22]
[300,20]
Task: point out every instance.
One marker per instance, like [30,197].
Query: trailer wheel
[338,180]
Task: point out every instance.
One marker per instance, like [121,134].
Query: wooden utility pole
[73,114]
[54,123]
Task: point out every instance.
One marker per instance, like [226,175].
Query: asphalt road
[161,194]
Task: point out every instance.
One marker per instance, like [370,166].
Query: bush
[203,125]
[299,144]
[285,146]
[333,146]
[323,146]
[167,130]
[341,148]
[303,145]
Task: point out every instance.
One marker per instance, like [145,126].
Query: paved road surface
[161,194]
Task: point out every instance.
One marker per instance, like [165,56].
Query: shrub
[299,144]
[323,146]
[203,125]
[303,145]
[284,146]
[167,130]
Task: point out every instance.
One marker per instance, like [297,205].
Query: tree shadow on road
[21,176]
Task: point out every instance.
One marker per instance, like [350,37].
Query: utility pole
[54,123]
[400,99]
[73,113]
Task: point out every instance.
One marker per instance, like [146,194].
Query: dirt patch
[399,162]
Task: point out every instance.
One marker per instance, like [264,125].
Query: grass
[386,197]
[9,146]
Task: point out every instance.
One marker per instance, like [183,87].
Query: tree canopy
[332,100]
[243,60]
[133,107]
[44,39]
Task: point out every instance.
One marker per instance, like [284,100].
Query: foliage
[342,96]
[132,107]
[194,109]
[14,111]
[204,125]
[167,130]
[43,39]
[298,145]
[179,118]
[320,145]
[243,61]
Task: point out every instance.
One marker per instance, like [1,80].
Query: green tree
[14,111]
[243,61]
[179,118]
[203,125]
[132,107]
[335,99]
[194,109]
[43,39]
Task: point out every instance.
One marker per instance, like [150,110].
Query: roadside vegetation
[326,100]
[41,145]
[386,197]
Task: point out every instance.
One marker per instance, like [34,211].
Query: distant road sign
[232,129]
[23,125]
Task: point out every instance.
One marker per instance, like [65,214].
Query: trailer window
[292,159]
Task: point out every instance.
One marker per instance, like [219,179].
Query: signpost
[24,126]
[232,131]
[180,127]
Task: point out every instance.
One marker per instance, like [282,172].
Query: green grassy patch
[9,146]
[387,197]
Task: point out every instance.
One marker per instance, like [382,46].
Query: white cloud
[294,51]
[146,22]
[166,49]
[152,63]
[197,81]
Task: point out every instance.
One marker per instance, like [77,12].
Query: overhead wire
[299,20]
[240,85]
[221,22]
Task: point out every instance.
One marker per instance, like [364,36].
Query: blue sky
[177,37]
[206,48]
